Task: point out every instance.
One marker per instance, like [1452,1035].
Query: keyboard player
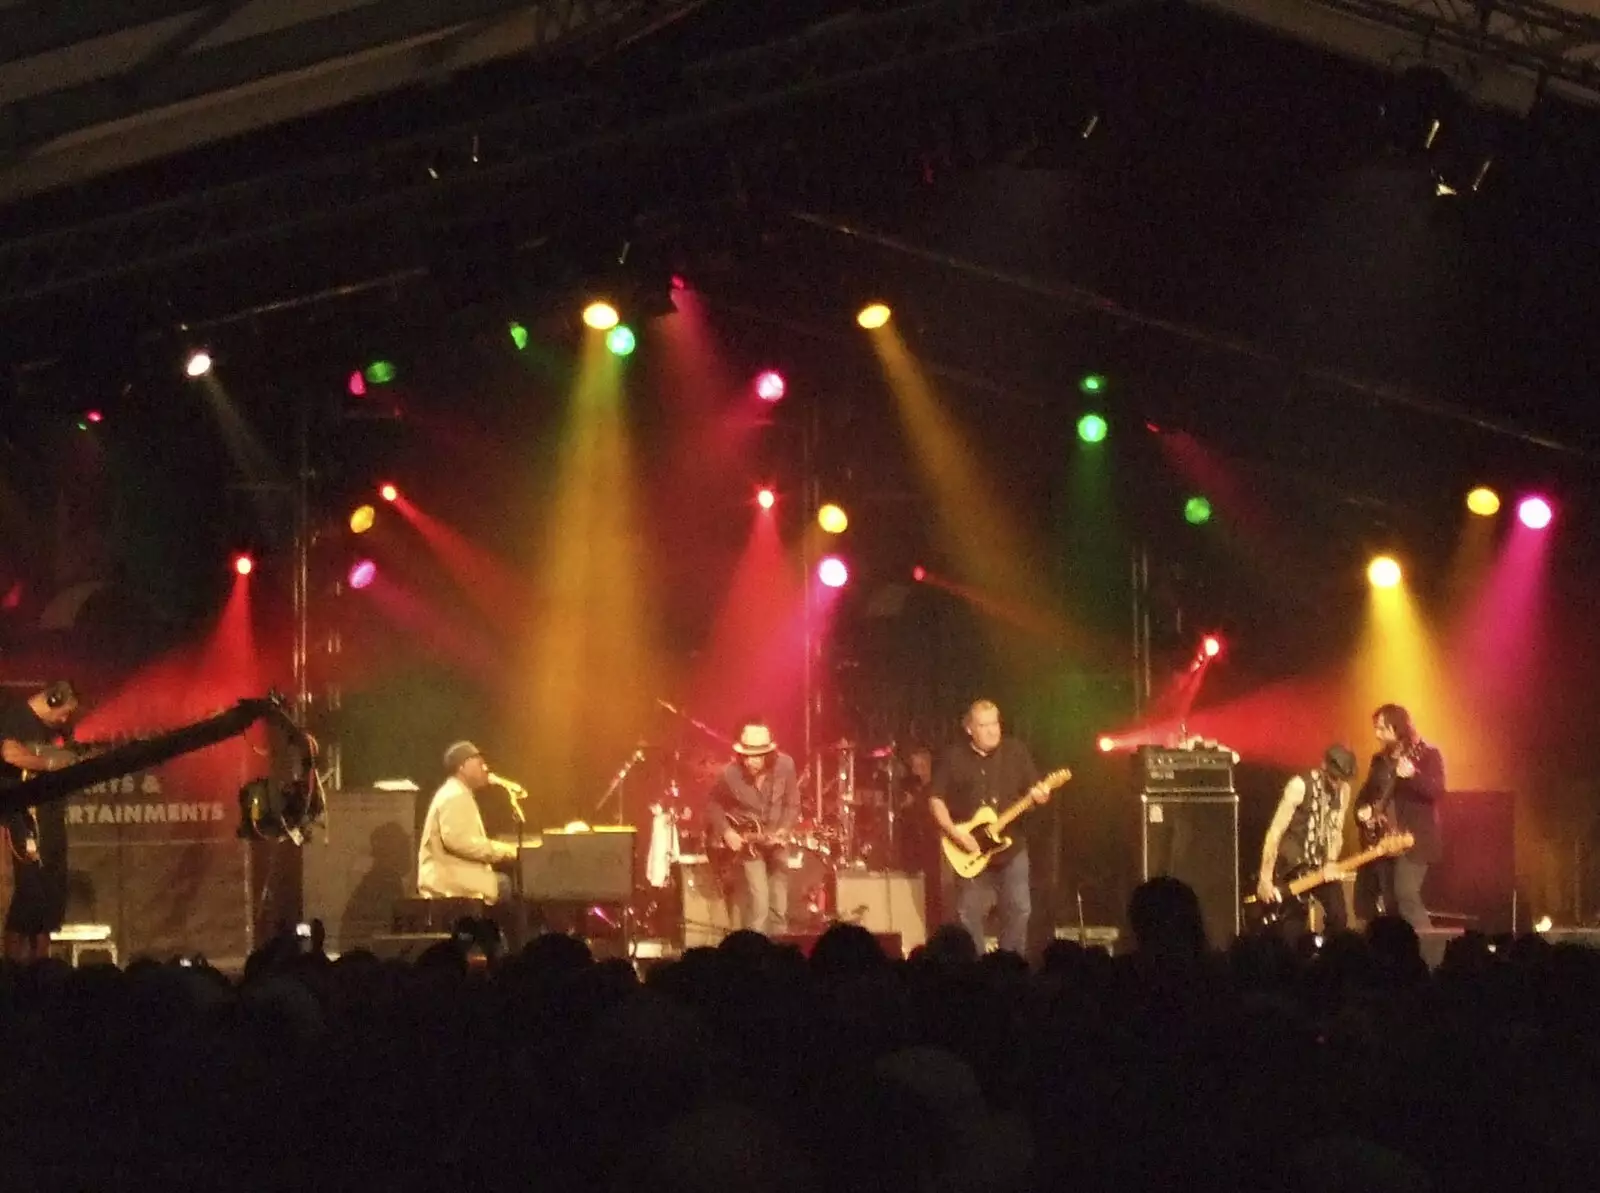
[456,858]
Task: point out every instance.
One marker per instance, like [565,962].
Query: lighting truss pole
[811,685]
[1139,590]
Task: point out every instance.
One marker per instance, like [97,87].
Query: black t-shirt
[965,778]
[19,723]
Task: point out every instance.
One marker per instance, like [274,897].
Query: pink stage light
[766,498]
[832,572]
[770,386]
[356,384]
[362,573]
[1211,645]
[1535,512]
[919,573]
[94,416]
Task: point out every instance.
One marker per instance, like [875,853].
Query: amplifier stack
[1189,828]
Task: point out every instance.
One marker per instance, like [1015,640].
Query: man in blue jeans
[991,769]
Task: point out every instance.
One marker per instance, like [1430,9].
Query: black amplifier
[1162,768]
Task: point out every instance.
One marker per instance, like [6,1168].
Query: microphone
[514,788]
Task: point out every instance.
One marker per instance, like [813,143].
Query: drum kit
[844,825]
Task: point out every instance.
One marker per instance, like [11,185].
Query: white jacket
[454,858]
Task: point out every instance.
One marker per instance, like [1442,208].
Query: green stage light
[519,336]
[1197,511]
[1092,383]
[381,372]
[620,340]
[1091,428]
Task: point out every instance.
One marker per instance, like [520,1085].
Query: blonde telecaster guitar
[988,827]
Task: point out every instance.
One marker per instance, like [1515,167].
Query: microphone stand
[634,760]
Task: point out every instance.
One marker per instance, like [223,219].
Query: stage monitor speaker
[706,912]
[1473,881]
[1195,838]
[588,866]
[884,902]
[359,865]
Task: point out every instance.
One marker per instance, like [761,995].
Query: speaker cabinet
[1195,838]
[593,866]
[360,865]
[885,902]
[1473,880]
[707,914]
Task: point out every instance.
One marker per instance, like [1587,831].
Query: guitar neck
[1354,862]
[1012,812]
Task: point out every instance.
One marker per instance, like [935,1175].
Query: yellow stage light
[1384,572]
[1484,502]
[601,316]
[832,519]
[362,518]
[873,316]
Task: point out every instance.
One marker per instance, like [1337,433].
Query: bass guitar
[1266,914]
[988,827]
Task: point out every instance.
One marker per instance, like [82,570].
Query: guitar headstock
[1056,779]
[1396,843]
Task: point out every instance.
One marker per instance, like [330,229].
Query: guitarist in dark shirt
[35,838]
[988,769]
[1401,795]
[755,802]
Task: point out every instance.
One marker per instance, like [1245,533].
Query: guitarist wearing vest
[755,802]
[988,769]
[35,838]
[1306,836]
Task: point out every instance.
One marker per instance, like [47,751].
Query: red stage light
[832,572]
[357,385]
[1211,646]
[679,282]
[243,565]
[770,386]
[388,492]
[1106,744]
[766,498]
[94,416]
[919,573]
[362,573]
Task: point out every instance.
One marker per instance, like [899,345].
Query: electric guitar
[1266,914]
[756,840]
[25,843]
[988,827]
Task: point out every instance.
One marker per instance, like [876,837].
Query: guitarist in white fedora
[755,802]
[991,770]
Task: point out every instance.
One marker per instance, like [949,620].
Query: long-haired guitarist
[755,802]
[988,769]
[1401,795]
[35,838]
[1306,836]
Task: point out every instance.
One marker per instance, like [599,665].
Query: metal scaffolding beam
[835,56]
[1541,39]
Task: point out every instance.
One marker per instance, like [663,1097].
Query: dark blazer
[1415,800]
